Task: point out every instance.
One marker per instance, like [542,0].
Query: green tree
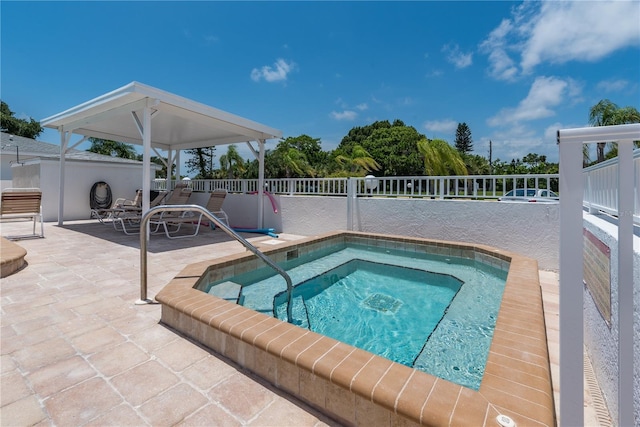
[287,161]
[392,145]
[231,164]
[606,113]
[19,127]
[440,158]
[359,163]
[112,148]
[201,162]
[476,164]
[464,142]
[310,147]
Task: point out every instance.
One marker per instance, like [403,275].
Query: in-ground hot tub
[357,387]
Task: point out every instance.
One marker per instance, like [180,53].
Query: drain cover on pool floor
[382,303]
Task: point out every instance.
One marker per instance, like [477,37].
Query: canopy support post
[261,184]
[64,142]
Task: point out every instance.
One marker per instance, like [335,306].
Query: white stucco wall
[124,180]
[526,228]
[242,210]
[601,341]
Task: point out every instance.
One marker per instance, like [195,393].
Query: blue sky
[514,72]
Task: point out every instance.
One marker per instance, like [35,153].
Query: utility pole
[490,157]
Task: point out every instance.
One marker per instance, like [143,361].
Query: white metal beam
[253,150]
[106,115]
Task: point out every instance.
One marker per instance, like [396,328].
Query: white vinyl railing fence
[601,187]
[437,187]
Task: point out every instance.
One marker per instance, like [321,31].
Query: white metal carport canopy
[143,115]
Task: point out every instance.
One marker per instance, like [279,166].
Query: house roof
[177,122]
[30,148]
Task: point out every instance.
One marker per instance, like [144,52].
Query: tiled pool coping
[356,387]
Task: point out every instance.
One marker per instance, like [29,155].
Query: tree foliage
[113,148]
[201,162]
[464,142]
[392,145]
[19,127]
[359,163]
[606,113]
[231,164]
[440,158]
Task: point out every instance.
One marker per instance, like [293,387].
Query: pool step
[229,291]
[298,311]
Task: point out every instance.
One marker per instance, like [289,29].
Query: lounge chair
[128,220]
[214,205]
[171,222]
[119,207]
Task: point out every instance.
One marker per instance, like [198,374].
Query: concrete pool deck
[76,350]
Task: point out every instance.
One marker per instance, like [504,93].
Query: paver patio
[76,350]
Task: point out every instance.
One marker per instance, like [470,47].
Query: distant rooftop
[30,148]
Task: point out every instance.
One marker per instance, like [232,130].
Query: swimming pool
[432,312]
[354,386]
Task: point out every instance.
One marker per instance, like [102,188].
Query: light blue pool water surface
[429,312]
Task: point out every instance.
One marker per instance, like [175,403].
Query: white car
[531,195]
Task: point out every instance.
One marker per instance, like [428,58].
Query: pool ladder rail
[204,212]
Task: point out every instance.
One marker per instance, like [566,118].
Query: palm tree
[231,164]
[359,162]
[295,161]
[606,113]
[440,158]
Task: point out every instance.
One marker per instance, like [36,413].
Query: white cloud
[362,106]
[613,85]
[278,72]
[559,32]
[211,39]
[344,115]
[441,126]
[582,31]
[501,65]
[518,141]
[545,93]
[456,57]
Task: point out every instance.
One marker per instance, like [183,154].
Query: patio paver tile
[143,382]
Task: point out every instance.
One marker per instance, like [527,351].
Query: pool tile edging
[263,344]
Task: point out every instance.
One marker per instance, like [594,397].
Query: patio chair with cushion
[121,206]
[171,222]
[214,205]
[128,220]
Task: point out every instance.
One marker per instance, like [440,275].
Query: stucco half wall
[123,179]
[530,229]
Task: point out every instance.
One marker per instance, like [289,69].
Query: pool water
[429,312]
[353,303]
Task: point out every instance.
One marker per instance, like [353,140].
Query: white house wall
[124,180]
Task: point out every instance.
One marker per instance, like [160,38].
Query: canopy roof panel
[177,122]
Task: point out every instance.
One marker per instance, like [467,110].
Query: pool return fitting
[144,222]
